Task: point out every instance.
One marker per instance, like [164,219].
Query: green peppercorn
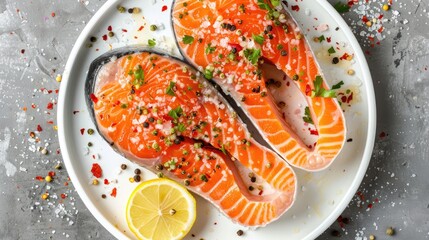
[89,144]
[187,182]
[90,131]
[390,231]
[153,27]
[295,77]
[121,9]
[111,34]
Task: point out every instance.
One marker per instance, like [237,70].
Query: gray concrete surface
[35,43]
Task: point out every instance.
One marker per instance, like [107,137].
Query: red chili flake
[364,19]
[96,170]
[380,29]
[104,37]
[57,91]
[124,30]
[382,135]
[53,14]
[345,56]
[376,200]
[380,17]
[63,196]
[164,8]
[51,174]
[109,28]
[82,131]
[340,221]
[307,90]
[74,112]
[113,193]
[66,184]
[295,8]
[328,39]
[350,98]
[370,205]
[343,99]
[33,105]
[40,178]
[93,98]
[106,182]
[39,128]
[260,192]
[360,195]
[167,118]
[314,132]
[140,28]
[288,84]
[50,106]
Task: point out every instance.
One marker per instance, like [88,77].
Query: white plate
[321,196]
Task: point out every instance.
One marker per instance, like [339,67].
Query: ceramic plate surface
[321,196]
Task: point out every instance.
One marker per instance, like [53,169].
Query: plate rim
[366,157]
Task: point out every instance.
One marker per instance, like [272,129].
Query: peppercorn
[251,188]
[234,50]
[177,141]
[137,178]
[151,119]
[335,233]
[240,232]
[90,131]
[137,171]
[160,175]
[335,60]
[130,10]
[350,72]
[121,9]
[283,53]
[153,27]
[187,182]
[93,39]
[253,179]
[386,7]
[136,10]
[257,89]
[103,196]
[45,196]
[295,77]
[89,144]
[123,166]
[159,167]
[233,28]
[371,237]
[145,124]
[269,28]
[48,178]
[346,220]
[390,231]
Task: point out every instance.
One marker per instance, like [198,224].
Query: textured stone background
[35,43]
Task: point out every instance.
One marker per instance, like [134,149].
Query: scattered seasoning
[111,34]
[45,196]
[350,72]
[121,9]
[187,182]
[153,27]
[172,211]
[164,8]
[137,178]
[335,60]
[90,131]
[113,193]
[103,196]
[335,233]
[240,232]
[96,170]
[187,39]
[386,7]
[123,166]
[95,182]
[90,144]
[390,231]
[137,171]
[48,178]
[371,237]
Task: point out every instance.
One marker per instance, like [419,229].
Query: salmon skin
[162,114]
[228,40]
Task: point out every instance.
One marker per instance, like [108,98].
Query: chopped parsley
[208,73]
[307,116]
[176,112]
[259,39]
[331,50]
[263,5]
[319,91]
[170,89]
[151,42]
[321,38]
[341,7]
[188,39]
[338,85]
[210,49]
[252,55]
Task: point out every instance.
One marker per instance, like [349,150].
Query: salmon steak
[161,113]
[229,40]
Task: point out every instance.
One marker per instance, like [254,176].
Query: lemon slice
[160,209]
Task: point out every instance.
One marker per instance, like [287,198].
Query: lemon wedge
[160,209]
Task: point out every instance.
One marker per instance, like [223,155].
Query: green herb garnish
[181,127]
[319,91]
[338,85]
[321,38]
[259,39]
[210,49]
[331,50]
[138,77]
[175,113]
[151,42]
[188,39]
[208,74]
[252,55]
[170,89]
[307,116]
